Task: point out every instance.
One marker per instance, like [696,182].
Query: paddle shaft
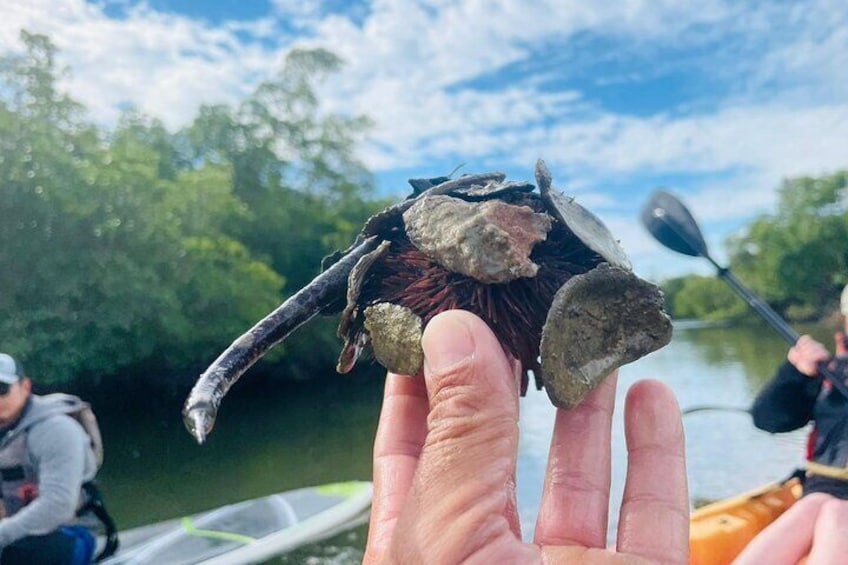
[755,302]
[774,320]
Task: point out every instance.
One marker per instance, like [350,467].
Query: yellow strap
[192,530]
[814,468]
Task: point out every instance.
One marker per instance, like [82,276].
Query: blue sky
[718,103]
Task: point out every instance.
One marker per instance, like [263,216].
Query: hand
[445,457]
[806,355]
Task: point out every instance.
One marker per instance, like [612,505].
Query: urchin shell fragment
[493,190]
[489,241]
[395,337]
[356,280]
[599,321]
[584,224]
[352,348]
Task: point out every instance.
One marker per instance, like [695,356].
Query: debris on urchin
[542,271]
[395,334]
[598,322]
[538,268]
[489,241]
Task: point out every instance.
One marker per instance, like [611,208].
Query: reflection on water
[267,441]
[309,433]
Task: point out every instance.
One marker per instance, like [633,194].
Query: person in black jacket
[817,525]
[797,395]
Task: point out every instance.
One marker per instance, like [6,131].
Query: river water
[275,438]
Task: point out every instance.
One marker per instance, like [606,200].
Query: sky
[717,101]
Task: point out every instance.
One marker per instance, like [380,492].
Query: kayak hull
[718,532]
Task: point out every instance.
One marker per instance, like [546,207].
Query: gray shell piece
[493,189]
[598,321]
[395,337]
[351,351]
[582,223]
[489,241]
[376,223]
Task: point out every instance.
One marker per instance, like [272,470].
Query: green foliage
[670,288]
[704,298]
[294,168]
[798,258]
[138,251]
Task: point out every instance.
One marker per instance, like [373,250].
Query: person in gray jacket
[45,459]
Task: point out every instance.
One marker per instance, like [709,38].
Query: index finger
[397,448]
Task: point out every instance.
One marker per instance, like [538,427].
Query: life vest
[18,478]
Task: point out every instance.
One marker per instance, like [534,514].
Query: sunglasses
[5,388]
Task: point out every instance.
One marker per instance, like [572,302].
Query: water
[276,438]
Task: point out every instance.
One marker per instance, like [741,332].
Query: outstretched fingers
[654,521]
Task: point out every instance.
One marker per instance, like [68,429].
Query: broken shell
[355,280]
[489,241]
[582,223]
[395,337]
[493,190]
[352,348]
[599,321]
[383,221]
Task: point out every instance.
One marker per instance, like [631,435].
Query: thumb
[466,471]
[473,392]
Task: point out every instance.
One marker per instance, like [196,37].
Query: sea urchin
[544,273]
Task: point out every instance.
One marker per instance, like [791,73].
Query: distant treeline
[796,260]
[136,253]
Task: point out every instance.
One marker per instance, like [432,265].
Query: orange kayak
[719,531]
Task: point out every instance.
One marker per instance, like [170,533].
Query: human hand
[445,457]
[806,355]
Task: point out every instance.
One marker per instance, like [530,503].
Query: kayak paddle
[671,223]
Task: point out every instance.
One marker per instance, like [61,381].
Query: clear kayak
[249,531]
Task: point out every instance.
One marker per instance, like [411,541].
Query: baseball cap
[843,306]
[11,371]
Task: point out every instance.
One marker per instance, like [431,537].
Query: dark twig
[202,404]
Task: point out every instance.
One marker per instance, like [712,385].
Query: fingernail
[446,341]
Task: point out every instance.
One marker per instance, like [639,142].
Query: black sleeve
[786,402]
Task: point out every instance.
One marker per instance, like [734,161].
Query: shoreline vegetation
[831,318]
[135,254]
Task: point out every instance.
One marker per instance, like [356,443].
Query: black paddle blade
[670,222]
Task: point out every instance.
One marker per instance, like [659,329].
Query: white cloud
[163,64]
[296,11]
[775,139]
